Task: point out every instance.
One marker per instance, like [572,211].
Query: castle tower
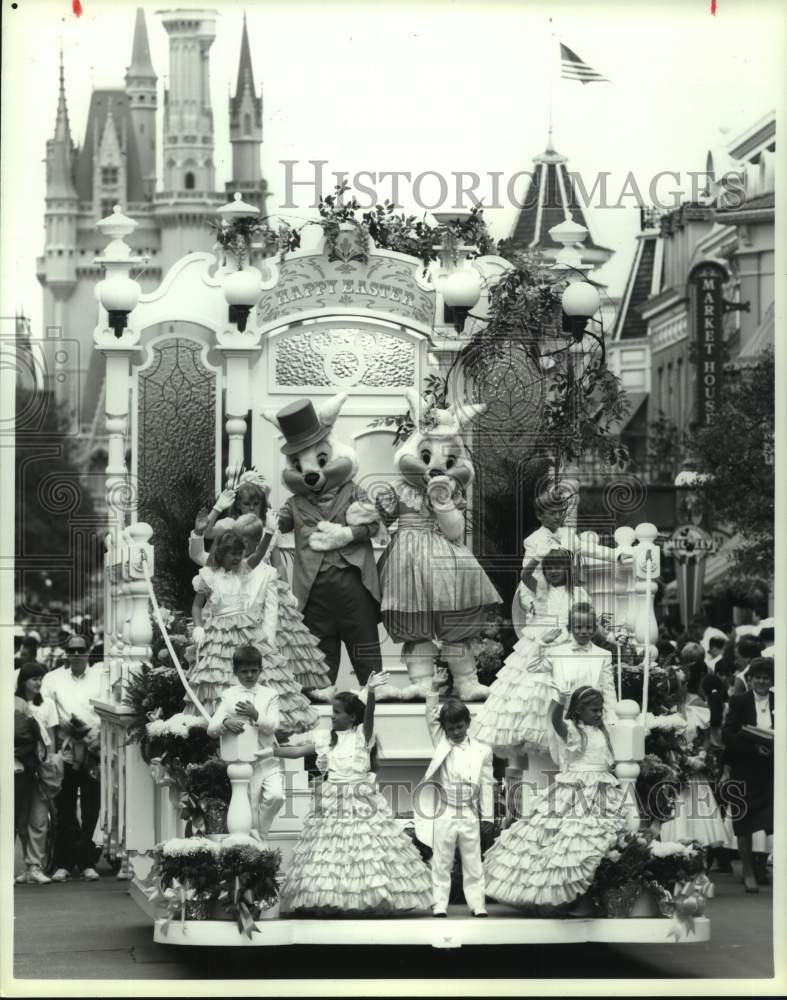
[143,103]
[188,198]
[56,268]
[551,198]
[62,210]
[245,117]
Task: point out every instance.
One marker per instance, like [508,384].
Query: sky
[442,87]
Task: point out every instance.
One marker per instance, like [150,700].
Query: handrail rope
[157,612]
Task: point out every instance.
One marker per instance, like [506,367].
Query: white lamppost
[118,293]
[242,286]
[458,282]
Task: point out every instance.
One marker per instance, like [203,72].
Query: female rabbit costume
[433,587]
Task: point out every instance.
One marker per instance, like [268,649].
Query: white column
[238,750]
[628,744]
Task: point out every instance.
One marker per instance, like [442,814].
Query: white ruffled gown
[352,856]
[697,815]
[516,712]
[550,857]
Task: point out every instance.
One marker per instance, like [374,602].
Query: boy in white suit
[456,794]
[250,703]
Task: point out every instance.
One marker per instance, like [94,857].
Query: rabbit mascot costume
[434,590]
[334,573]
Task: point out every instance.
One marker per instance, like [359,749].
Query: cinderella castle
[117,164]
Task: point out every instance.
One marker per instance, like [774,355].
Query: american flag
[572,67]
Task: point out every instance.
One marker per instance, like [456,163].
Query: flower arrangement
[638,863]
[206,797]
[248,881]
[185,877]
[176,742]
[152,692]
[237,238]
[657,787]
[392,230]
[190,875]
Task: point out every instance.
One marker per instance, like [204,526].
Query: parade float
[191,369]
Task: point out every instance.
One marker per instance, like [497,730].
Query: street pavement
[95,931]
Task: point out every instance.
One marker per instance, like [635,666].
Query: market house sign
[315,283]
[706,290]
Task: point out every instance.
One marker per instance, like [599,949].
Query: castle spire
[62,127]
[245,120]
[245,69]
[60,152]
[141,66]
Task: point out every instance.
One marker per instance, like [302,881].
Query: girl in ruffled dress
[697,815]
[246,507]
[241,599]
[516,714]
[549,858]
[352,858]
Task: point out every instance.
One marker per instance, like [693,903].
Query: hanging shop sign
[690,540]
[706,292]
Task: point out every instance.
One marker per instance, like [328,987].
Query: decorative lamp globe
[461,289]
[118,294]
[243,288]
[580,299]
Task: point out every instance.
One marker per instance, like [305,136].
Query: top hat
[300,426]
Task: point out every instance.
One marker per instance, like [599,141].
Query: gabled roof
[639,287]
[100,101]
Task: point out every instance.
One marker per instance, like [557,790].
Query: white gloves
[224,501]
[328,537]
[198,635]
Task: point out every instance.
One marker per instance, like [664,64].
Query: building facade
[116,163]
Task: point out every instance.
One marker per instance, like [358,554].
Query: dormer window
[109,176]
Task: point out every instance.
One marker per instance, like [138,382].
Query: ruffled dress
[550,857]
[432,588]
[296,643]
[237,607]
[516,712]
[352,857]
[697,815]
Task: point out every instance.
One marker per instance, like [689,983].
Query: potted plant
[206,797]
[152,692]
[186,877]
[248,882]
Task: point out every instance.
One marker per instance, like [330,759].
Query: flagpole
[550,80]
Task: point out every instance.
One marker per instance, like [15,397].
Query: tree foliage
[52,501]
[737,450]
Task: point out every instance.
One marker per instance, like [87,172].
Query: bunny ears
[449,421]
